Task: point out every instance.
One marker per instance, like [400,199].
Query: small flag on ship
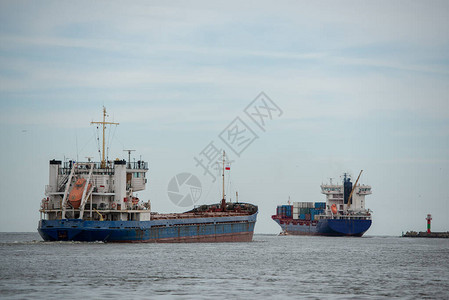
[228,167]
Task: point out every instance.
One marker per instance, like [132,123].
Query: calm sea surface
[270,267]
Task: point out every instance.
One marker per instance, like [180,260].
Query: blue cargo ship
[96,201]
[343,213]
[235,224]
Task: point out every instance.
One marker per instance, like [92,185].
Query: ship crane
[353,188]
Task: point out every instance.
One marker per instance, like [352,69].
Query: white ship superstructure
[108,194]
[351,204]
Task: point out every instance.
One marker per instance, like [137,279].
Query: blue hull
[326,227]
[212,229]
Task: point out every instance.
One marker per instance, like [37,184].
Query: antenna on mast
[129,157]
[76,138]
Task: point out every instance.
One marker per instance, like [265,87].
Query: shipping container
[279,210]
[286,211]
[302,216]
[307,217]
[320,204]
[304,204]
[304,210]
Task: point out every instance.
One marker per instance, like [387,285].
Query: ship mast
[103,161]
[223,200]
[223,175]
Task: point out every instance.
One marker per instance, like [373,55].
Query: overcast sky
[358,85]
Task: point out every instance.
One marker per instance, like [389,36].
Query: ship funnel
[347,188]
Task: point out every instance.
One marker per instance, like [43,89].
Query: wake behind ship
[343,213]
[95,201]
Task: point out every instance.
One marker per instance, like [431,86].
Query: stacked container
[288,211]
[279,210]
[285,211]
[305,204]
[314,212]
[320,205]
[301,210]
[296,210]
[304,210]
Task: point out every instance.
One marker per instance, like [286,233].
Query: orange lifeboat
[334,209]
[77,192]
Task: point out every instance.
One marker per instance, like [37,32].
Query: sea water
[269,267]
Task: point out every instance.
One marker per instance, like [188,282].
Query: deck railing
[108,170]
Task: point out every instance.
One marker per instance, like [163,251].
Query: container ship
[343,213]
[96,201]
